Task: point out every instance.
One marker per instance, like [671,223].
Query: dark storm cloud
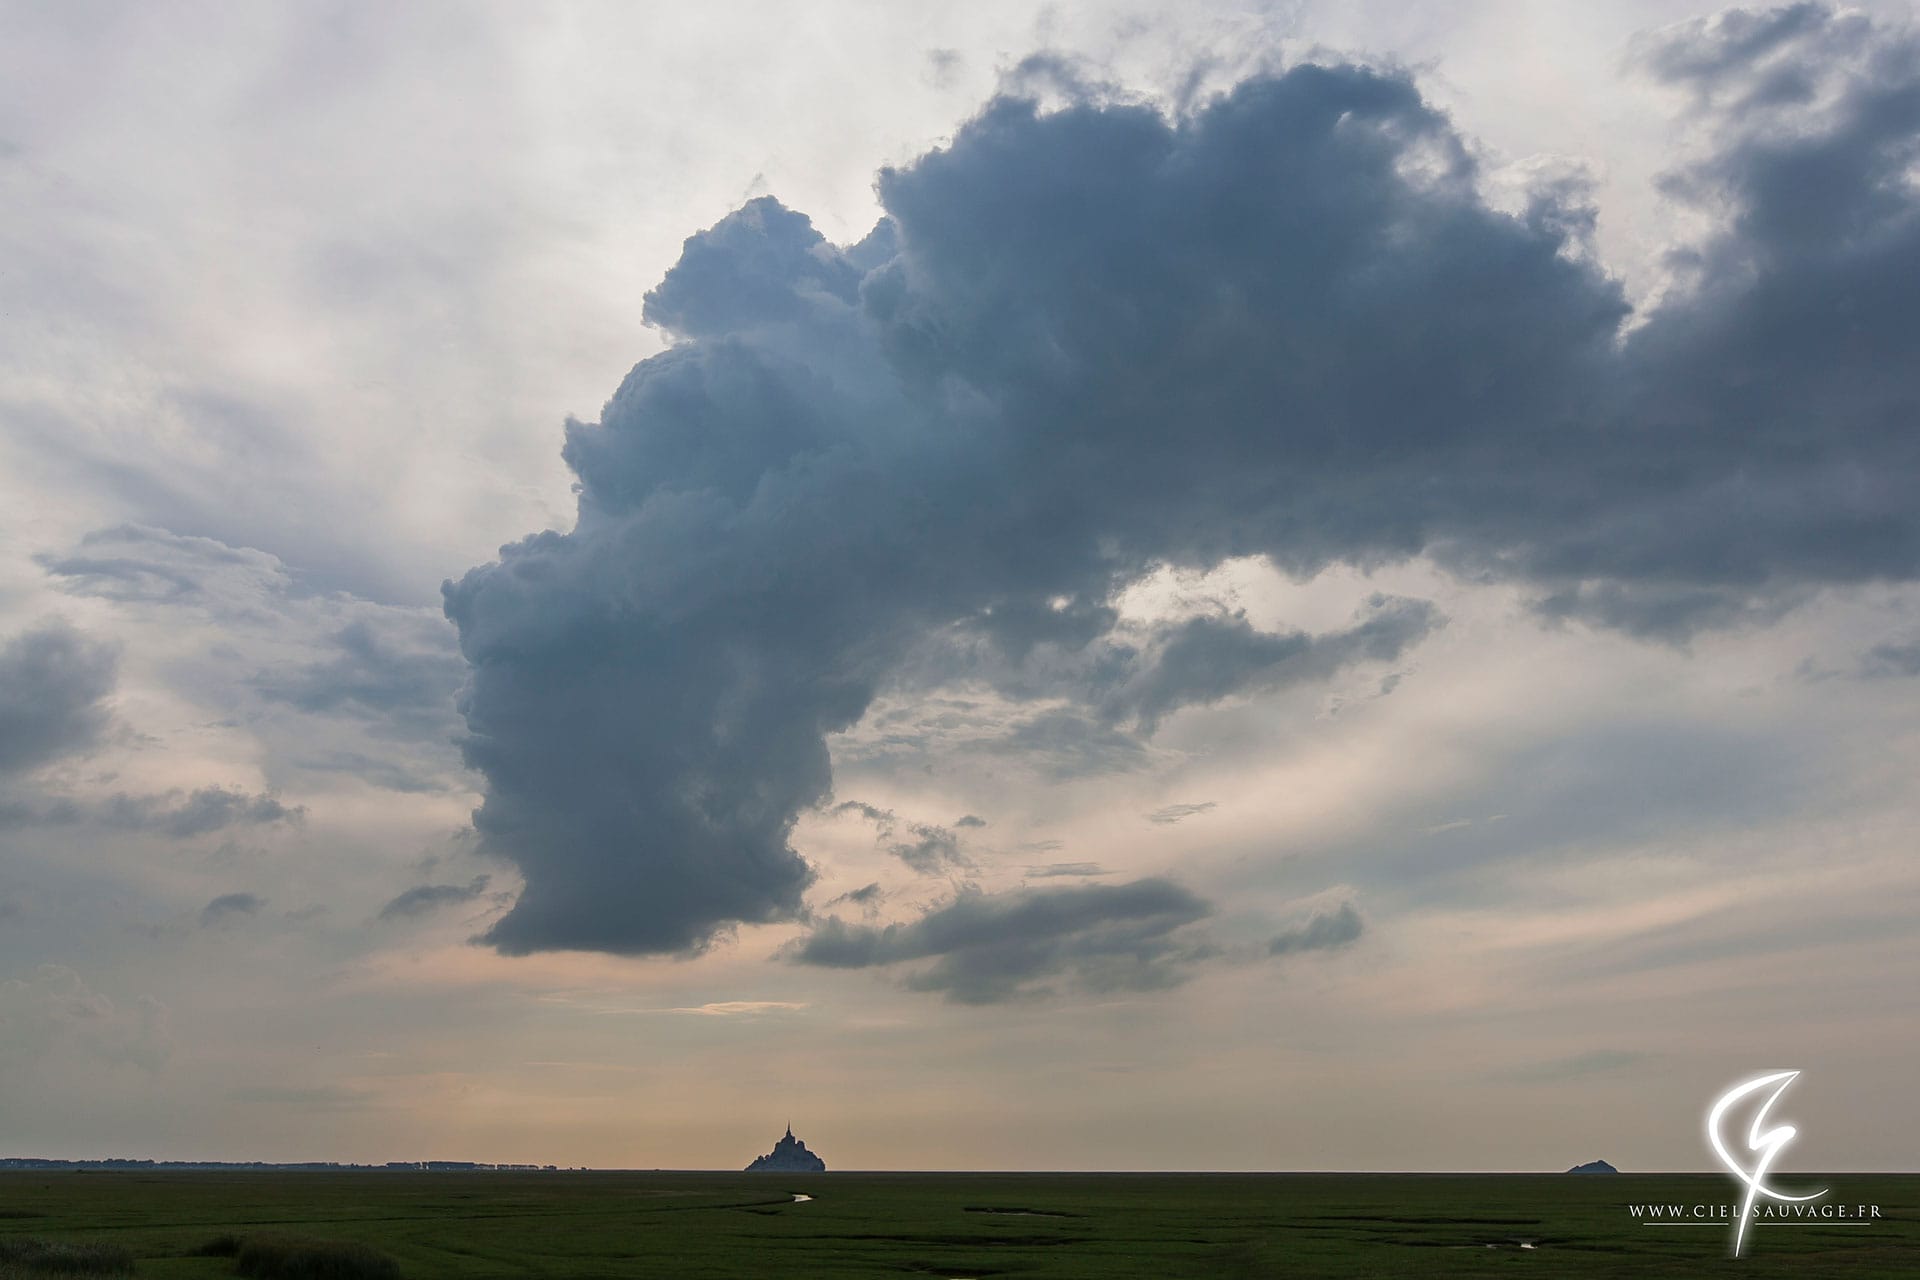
[54,683]
[421,899]
[196,814]
[229,906]
[1089,342]
[1323,931]
[987,948]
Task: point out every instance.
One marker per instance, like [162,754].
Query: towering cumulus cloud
[1090,341]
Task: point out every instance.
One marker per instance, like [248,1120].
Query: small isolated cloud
[206,810]
[970,821]
[1051,870]
[882,818]
[866,895]
[54,683]
[991,947]
[230,906]
[944,67]
[738,1008]
[927,848]
[1170,814]
[931,850]
[421,899]
[1323,931]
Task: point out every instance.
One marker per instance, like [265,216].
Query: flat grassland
[684,1226]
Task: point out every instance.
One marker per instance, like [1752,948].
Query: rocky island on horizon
[789,1155]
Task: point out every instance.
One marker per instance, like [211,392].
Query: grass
[25,1256]
[685,1226]
[284,1258]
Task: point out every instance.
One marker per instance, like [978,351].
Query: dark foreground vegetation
[30,1256]
[683,1226]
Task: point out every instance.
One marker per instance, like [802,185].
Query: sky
[1128,586]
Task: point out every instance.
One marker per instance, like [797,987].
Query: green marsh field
[681,1226]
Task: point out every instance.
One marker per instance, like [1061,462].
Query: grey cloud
[1088,342]
[1205,659]
[987,948]
[1067,744]
[1883,660]
[866,895]
[929,849]
[882,818]
[54,683]
[970,820]
[932,850]
[59,811]
[132,562]
[1323,931]
[394,668]
[229,905]
[1054,870]
[389,775]
[376,670]
[198,813]
[1170,814]
[421,899]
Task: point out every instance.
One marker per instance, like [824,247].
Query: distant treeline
[430,1166]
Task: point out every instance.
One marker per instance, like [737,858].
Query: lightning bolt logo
[1762,1143]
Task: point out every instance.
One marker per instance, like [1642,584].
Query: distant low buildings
[789,1155]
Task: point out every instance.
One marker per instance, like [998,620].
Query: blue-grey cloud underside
[1323,931]
[1088,342]
[425,898]
[983,948]
[54,684]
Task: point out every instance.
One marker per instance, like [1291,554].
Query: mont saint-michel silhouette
[789,1155]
